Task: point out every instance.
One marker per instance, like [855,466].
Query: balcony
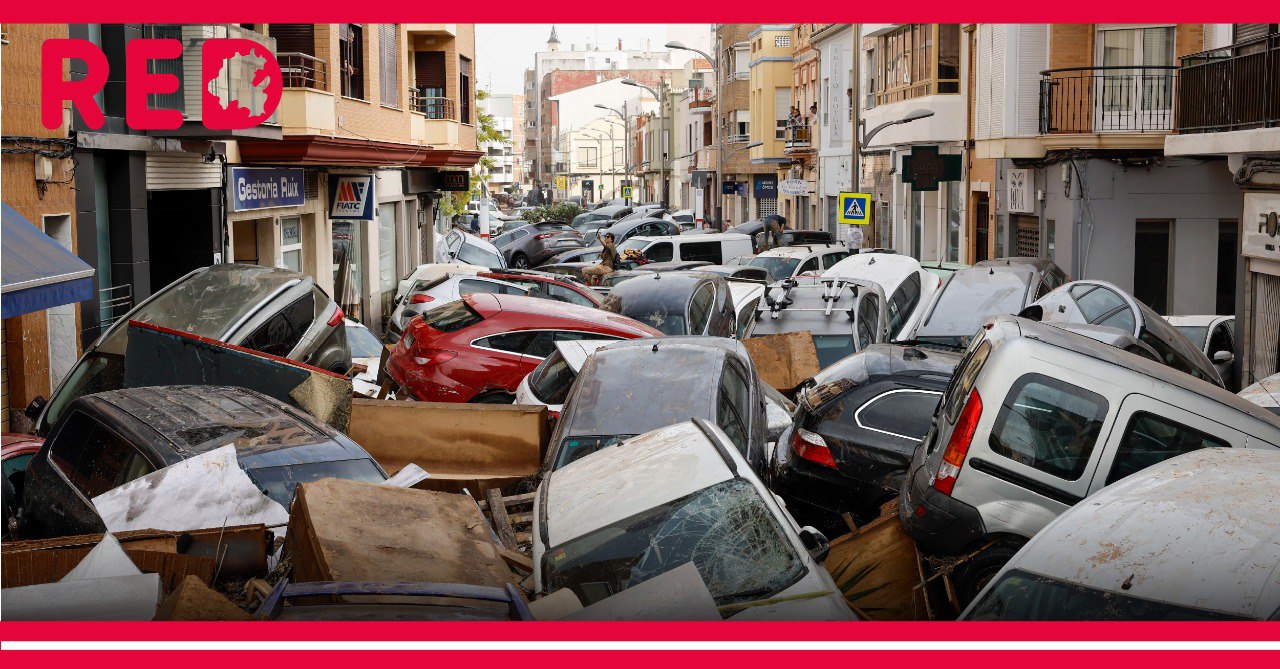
[738,139]
[435,118]
[300,70]
[1119,107]
[1237,88]
[703,101]
[450,29]
[235,82]
[799,138]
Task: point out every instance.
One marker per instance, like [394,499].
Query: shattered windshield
[725,530]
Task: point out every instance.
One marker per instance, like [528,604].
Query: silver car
[844,315]
[1035,419]
[424,295]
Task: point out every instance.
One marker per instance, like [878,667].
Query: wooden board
[784,361]
[349,531]
[877,566]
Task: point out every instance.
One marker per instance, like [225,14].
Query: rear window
[970,300]
[474,255]
[279,482]
[1049,425]
[966,375]
[282,332]
[454,316]
[900,413]
[833,348]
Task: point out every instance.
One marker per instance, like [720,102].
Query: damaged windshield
[726,531]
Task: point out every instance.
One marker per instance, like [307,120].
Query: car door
[1149,431]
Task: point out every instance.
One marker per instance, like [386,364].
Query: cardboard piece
[115,598]
[784,361]
[159,356]
[679,594]
[193,600]
[350,531]
[463,446]
[883,547]
[209,490]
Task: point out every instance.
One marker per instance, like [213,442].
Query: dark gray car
[531,245]
[629,388]
[266,309]
[677,303]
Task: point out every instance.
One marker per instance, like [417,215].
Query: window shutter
[388,70]
[294,37]
[1250,31]
[429,66]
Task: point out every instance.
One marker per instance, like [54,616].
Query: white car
[1265,393]
[808,259]
[548,384]
[1215,335]
[366,349]
[623,515]
[433,271]
[461,247]
[1196,537]
[909,287]
[425,294]
[746,297]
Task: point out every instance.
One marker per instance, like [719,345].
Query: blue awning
[37,271]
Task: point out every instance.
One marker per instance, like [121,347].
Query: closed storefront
[1260,313]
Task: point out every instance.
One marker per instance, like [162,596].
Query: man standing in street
[608,262]
[774,224]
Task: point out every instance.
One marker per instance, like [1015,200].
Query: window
[810,265]
[742,125]
[1049,425]
[466,286]
[451,317]
[1151,439]
[388,274]
[282,332]
[95,459]
[1020,595]
[562,294]
[1102,306]
[781,112]
[903,302]
[551,381]
[660,252]
[291,243]
[829,260]
[388,64]
[708,251]
[587,156]
[914,61]
[1221,340]
[907,414]
[464,89]
[733,401]
[746,315]
[511,342]
[700,309]
[782,41]
[351,59]
[868,321]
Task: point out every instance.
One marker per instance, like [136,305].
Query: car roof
[641,473]
[798,250]
[225,293]
[1194,321]
[887,269]
[1264,393]
[491,304]
[198,419]
[715,236]
[609,209]
[651,289]
[1041,264]
[1200,530]
[1005,328]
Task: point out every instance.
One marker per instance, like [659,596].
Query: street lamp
[866,136]
[599,159]
[626,137]
[715,69]
[662,115]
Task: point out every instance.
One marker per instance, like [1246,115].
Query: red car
[15,452]
[558,287]
[477,349]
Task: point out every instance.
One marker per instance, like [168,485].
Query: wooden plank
[516,560]
[521,518]
[498,514]
[877,567]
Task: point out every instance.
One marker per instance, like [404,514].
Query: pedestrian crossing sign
[626,191]
[855,208]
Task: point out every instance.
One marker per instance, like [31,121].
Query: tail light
[812,447]
[433,356]
[958,445]
[337,317]
[421,298]
[545,235]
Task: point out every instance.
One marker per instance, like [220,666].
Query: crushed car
[676,303]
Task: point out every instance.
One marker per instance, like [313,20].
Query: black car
[677,303]
[855,430]
[106,440]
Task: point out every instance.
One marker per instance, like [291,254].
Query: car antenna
[655,348]
[991,271]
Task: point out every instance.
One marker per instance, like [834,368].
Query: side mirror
[1224,357]
[36,407]
[816,543]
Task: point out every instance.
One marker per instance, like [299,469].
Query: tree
[486,133]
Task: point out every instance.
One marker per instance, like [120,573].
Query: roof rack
[831,287]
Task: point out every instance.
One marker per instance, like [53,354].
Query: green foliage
[562,211]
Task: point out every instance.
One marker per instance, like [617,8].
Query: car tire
[495,397]
[972,576]
[520,261]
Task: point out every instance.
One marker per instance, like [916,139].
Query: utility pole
[855,177]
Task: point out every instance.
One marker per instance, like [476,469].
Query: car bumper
[939,524]
[426,384]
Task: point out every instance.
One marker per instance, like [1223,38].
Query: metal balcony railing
[799,136]
[433,107]
[738,139]
[1107,99]
[301,70]
[234,82]
[1235,88]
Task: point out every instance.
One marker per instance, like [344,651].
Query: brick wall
[26,338]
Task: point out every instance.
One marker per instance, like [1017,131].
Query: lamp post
[626,137]
[599,160]
[715,70]
[862,138]
[664,129]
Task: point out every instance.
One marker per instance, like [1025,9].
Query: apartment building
[1227,106]
[801,140]
[507,157]
[769,83]
[830,119]
[694,165]
[572,107]
[737,199]
[1069,163]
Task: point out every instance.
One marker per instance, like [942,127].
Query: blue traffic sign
[855,208]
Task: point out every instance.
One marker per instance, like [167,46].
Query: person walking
[475,224]
[608,262]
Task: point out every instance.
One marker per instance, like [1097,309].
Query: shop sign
[729,187]
[765,186]
[265,188]
[924,168]
[351,197]
[1260,226]
[794,187]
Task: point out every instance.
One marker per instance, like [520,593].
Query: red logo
[240,83]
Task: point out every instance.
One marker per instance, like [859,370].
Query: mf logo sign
[220,61]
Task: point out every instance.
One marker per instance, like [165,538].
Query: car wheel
[496,397]
[520,261]
[972,576]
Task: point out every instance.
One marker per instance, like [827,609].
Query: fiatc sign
[351,197]
[217,56]
[265,188]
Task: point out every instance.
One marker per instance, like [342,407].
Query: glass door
[1134,93]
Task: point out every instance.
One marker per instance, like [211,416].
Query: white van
[714,248]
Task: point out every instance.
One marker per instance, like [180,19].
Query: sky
[503,51]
